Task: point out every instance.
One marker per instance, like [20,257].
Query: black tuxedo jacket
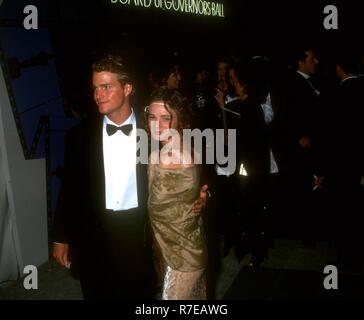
[302,116]
[110,252]
[252,145]
[304,103]
[81,201]
[345,157]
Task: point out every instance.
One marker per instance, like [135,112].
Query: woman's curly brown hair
[172,100]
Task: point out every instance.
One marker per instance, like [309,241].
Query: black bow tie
[126,129]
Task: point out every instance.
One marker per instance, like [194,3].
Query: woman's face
[235,83]
[221,68]
[233,79]
[160,119]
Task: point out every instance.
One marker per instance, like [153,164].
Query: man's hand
[60,253]
[317,182]
[305,142]
[220,98]
[200,203]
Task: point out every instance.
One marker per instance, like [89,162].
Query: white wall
[23,203]
[8,260]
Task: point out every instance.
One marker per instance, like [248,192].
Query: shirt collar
[306,76]
[348,78]
[130,120]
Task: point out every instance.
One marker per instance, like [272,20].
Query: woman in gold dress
[179,240]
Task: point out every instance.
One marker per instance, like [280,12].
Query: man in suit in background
[101,224]
[345,162]
[302,115]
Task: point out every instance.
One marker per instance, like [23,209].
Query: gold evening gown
[178,233]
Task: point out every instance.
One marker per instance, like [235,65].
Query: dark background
[250,27]
[72,32]
[80,29]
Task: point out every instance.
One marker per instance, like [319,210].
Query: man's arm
[60,254]
[62,221]
[200,203]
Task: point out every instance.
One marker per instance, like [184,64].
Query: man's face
[234,82]
[232,78]
[309,66]
[202,76]
[110,96]
[174,79]
[221,68]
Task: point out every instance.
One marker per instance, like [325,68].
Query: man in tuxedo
[301,121]
[303,102]
[345,163]
[101,224]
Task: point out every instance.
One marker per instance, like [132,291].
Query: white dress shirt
[347,78]
[268,118]
[120,167]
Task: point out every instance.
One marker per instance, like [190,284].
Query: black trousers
[115,258]
[346,223]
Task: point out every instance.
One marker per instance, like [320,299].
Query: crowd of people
[132,230]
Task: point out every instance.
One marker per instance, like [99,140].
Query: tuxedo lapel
[307,87]
[141,173]
[96,158]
